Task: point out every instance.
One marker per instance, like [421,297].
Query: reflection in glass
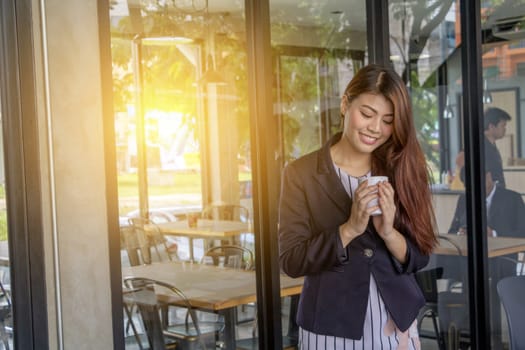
[487,96]
[502,56]
[182,138]
[425,49]
[318,46]
[6,317]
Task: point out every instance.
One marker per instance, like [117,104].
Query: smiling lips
[369,140]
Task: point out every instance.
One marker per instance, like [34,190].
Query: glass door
[317,48]
[6,320]
[184,166]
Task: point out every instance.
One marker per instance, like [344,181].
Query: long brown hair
[400,157]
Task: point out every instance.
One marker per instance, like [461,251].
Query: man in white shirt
[505,211]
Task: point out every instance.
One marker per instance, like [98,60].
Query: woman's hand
[384,224]
[360,213]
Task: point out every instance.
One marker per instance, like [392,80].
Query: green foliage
[3,225]
[424,106]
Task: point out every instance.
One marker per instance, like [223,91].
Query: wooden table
[496,247]
[212,288]
[206,229]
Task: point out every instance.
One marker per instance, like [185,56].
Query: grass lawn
[175,183]
[3,225]
[172,182]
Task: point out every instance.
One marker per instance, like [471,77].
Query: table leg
[495,313]
[293,329]
[190,243]
[229,327]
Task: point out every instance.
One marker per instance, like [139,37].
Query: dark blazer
[313,205]
[506,214]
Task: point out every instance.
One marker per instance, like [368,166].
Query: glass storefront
[6,316]
[189,206]
[426,49]
[183,130]
[183,153]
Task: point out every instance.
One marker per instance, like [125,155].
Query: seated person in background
[495,124]
[505,209]
[505,218]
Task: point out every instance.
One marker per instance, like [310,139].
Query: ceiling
[307,13]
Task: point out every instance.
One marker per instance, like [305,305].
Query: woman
[359,287]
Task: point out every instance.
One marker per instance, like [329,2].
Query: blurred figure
[505,210]
[495,122]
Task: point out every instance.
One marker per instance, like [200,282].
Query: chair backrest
[135,241]
[511,291]
[226,212]
[427,281]
[232,256]
[150,296]
[152,238]
[5,303]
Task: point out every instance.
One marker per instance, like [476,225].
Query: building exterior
[107,113]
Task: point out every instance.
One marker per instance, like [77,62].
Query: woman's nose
[375,125]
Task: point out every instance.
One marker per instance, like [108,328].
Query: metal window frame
[266,163]
[471,67]
[265,172]
[111,175]
[23,190]
[377,29]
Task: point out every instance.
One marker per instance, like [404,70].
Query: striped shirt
[379,331]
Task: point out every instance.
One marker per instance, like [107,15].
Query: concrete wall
[73,174]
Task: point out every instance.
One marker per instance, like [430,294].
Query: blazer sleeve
[415,259]
[303,251]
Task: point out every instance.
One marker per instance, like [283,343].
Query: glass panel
[503,96]
[317,46]
[425,49]
[182,137]
[6,320]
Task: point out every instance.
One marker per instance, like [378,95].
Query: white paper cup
[373,180]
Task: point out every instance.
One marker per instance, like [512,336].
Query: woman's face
[369,122]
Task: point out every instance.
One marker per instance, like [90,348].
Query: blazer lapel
[328,179]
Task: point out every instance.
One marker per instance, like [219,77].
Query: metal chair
[236,257]
[232,256]
[289,340]
[452,304]
[146,240]
[180,331]
[129,315]
[5,315]
[511,291]
[427,281]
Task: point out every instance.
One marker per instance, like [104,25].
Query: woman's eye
[388,121]
[366,115]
